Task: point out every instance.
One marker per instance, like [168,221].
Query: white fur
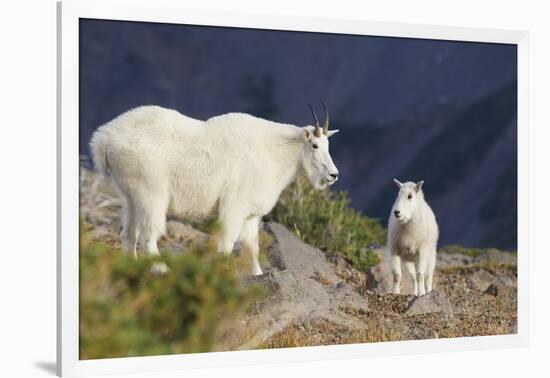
[234,166]
[412,237]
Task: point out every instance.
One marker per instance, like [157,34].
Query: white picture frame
[68,363]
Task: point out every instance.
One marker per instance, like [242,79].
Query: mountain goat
[412,237]
[233,166]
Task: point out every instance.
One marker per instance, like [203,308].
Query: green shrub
[127,310]
[326,220]
[455,248]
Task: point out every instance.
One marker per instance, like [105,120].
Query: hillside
[309,297]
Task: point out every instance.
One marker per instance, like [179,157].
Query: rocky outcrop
[302,287]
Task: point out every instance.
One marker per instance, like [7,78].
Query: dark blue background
[441,111]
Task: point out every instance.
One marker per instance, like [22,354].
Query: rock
[480,280]
[184,233]
[159,268]
[379,279]
[453,258]
[266,281]
[301,287]
[287,251]
[115,227]
[445,260]
[433,302]
[102,232]
[505,281]
[492,290]
[496,257]
[338,261]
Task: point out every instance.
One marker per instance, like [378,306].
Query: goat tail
[98,147]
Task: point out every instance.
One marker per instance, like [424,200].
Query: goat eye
[410,196]
[314,146]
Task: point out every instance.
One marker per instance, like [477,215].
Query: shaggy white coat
[412,237]
[234,166]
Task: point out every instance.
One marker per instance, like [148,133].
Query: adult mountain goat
[234,166]
[412,237]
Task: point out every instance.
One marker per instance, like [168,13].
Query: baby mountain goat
[412,237]
[234,166]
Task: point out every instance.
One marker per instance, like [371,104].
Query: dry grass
[433,326]
[99,202]
[489,266]
[477,314]
[323,332]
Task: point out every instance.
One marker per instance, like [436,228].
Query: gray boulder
[301,287]
[289,252]
[445,260]
[432,302]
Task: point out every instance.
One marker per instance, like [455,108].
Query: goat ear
[307,134]
[331,133]
[399,185]
[418,185]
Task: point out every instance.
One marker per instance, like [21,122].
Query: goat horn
[325,124]
[317,128]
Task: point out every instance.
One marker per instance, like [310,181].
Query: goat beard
[403,221]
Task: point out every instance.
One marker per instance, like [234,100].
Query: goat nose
[396,213]
[334,175]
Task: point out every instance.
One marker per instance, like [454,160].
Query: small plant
[326,220]
[127,310]
[471,252]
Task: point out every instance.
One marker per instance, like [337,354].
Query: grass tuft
[471,252]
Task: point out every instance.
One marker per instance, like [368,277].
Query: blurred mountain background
[441,111]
